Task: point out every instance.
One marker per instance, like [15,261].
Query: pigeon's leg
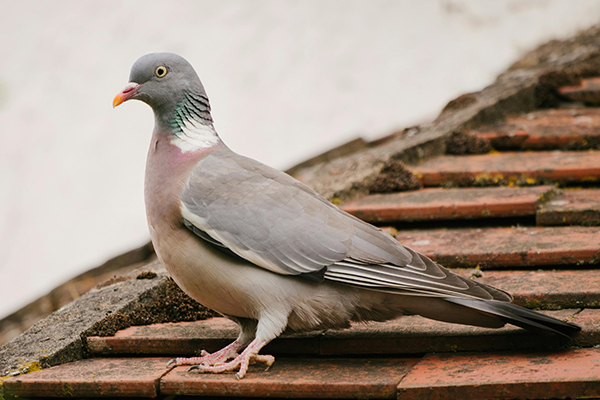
[247,334]
[268,329]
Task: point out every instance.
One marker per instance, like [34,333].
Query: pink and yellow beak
[126,93]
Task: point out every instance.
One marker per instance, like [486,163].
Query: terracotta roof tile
[511,168]
[572,207]
[588,91]
[589,320]
[566,129]
[300,378]
[185,338]
[441,204]
[507,247]
[97,377]
[407,335]
[549,289]
[573,374]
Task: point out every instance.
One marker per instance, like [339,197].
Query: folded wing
[270,219]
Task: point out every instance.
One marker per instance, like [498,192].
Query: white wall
[287,80]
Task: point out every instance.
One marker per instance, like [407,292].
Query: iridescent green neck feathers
[192,124]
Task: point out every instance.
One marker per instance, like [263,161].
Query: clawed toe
[241,362]
[264,358]
[206,358]
[176,362]
[217,362]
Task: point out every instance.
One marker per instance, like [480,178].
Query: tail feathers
[519,316]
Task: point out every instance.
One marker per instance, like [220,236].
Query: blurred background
[287,80]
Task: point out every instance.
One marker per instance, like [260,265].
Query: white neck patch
[195,136]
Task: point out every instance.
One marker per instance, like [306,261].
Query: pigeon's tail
[486,313]
[519,316]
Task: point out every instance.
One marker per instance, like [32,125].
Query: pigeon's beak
[126,94]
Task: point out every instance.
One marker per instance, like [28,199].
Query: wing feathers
[275,222]
[386,276]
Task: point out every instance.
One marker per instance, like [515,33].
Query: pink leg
[250,354]
[227,352]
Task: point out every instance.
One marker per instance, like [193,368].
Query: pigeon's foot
[218,357]
[242,361]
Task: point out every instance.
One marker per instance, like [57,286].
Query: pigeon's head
[162,81]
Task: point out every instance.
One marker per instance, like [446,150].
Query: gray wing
[272,220]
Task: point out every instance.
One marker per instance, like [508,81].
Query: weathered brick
[298,378]
[589,320]
[97,377]
[407,335]
[507,247]
[566,129]
[548,289]
[187,338]
[508,168]
[557,375]
[441,204]
[588,91]
[572,207]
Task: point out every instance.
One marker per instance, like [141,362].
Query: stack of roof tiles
[524,217]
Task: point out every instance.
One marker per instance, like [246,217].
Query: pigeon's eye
[160,71]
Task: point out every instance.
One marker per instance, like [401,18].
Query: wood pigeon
[271,254]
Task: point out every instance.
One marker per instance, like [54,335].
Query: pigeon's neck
[191,125]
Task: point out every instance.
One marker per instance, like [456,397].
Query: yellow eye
[160,71]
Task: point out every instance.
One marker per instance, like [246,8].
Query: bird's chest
[213,279]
